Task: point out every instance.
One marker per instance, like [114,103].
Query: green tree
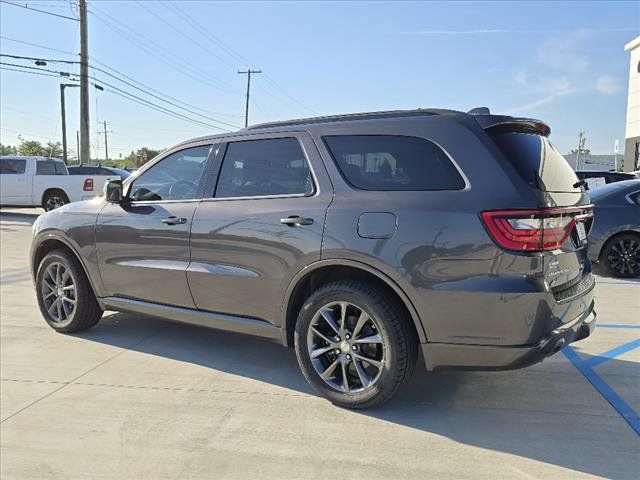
[8,150]
[30,148]
[53,149]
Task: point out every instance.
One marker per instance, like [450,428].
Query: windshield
[537,161]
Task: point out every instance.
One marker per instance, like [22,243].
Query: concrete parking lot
[143,398]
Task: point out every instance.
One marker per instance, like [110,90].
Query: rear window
[537,161]
[390,162]
[12,166]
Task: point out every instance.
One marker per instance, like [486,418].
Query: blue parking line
[616,283]
[613,353]
[622,407]
[616,325]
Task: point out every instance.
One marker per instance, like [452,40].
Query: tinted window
[264,167]
[537,161]
[12,166]
[386,162]
[176,177]
[45,167]
[60,167]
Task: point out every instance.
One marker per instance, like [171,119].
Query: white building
[632,142]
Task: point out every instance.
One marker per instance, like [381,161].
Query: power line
[230,51]
[38,10]
[164,100]
[36,45]
[38,59]
[170,59]
[62,74]
[32,73]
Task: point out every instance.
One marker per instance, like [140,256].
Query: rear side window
[537,161]
[391,162]
[12,166]
[274,166]
[60,167]
[45,167]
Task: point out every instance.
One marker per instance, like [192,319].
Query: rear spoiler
[504,123]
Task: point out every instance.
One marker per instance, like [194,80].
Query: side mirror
[113,191]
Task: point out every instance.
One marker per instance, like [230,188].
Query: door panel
[143,258]
[14,182]
[143,244]
[243,256]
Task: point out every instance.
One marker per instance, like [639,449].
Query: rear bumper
[490,357]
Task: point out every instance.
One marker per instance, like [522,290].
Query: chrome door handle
[294,220]
[174,220]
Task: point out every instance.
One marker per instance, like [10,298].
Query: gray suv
[359,240]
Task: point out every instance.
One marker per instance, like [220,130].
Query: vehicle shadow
[530,413]
[601,272]
[15,217]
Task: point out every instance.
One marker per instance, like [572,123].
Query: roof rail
[352,116]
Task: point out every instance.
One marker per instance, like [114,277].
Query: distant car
[597,178]
[614,239]
[45,182]
[98,170]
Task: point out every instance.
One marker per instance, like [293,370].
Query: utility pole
[64,119]
[106,149]
[581,143]
[78,146]
[84,154]
[246,110]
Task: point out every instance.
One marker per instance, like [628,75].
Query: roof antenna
[479,111]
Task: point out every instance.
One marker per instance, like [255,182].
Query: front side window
[274,166]
[392,162]
[45,167]
[176,177]
[12,166]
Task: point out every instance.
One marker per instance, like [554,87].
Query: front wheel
[65,297]
[621,255]
[354,345]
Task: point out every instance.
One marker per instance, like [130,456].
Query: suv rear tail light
[88,185]
[533,230]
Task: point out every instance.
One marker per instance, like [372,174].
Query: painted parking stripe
[622,407]
[604,282]
[613,353]
[616,325]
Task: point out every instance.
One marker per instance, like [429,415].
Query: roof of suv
[482,114]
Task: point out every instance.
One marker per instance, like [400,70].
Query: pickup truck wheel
[354,345]
[65,297]
[54,199]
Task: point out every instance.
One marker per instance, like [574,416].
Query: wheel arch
[49,243]
[325,271]
[51,190]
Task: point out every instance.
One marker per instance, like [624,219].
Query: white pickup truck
[45,182]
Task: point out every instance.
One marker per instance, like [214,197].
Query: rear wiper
[581,183]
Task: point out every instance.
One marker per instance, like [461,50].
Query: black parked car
[614,240]
[605,176]
[98,170]
[356,239]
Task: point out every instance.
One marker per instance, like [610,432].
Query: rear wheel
[354,345]
[65,297]
[54,199]
[621,255]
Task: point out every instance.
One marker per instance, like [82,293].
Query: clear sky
[562,62]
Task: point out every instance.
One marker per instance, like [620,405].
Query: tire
[367,385]
[75,306]
[621,255]
[54,199]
